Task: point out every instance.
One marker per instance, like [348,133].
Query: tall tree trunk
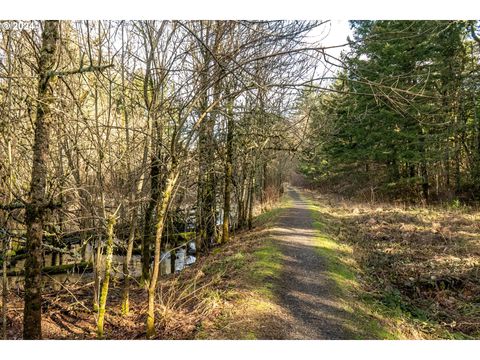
[34,219]
[6,245]
[138,183]
[206,196]
[150,94]
[10,180]
[242,198]
[228,174]
[458,174]
[251,195]
[161,215]
[447,166]
[58,238]
[250,202]
[97,259]
[423,168]
[206,186]
[264,180]
[100,178]
[6,249]
[149,228]
[125,307]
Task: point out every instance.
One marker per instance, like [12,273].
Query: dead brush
[423,260]
[188,299]
[199,294]
[271,197]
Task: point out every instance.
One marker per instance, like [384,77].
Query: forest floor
[314,266]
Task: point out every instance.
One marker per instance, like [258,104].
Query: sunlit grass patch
[365,322]
[253,267]
[266,267]
[338,255]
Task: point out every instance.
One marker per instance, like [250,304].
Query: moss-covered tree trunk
[149,228]
[264,181]
[97,259]
[251,194]
[35,211]
[206,190]
[160,223]
[150,97]
[106,279]
[206,187]
[6,249]
[125,307]
[242,198]
[228,174]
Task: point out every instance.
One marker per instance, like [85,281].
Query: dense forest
[402,117]
[130,149]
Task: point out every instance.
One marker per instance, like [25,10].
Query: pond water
[183,257]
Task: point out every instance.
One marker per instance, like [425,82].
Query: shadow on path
[304,288]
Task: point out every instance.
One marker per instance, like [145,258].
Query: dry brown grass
[422,262]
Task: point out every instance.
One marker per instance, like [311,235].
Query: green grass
[332,250]
[267,258]
[255,268]
[366,321]
[266,267]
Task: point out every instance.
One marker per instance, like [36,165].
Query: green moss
[216,250]
[266,217]
[189,235]
[13,256]
[267,258]
[267,261]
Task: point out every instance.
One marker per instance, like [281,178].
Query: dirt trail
[305,292]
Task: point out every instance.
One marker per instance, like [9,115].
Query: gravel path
[306,293]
